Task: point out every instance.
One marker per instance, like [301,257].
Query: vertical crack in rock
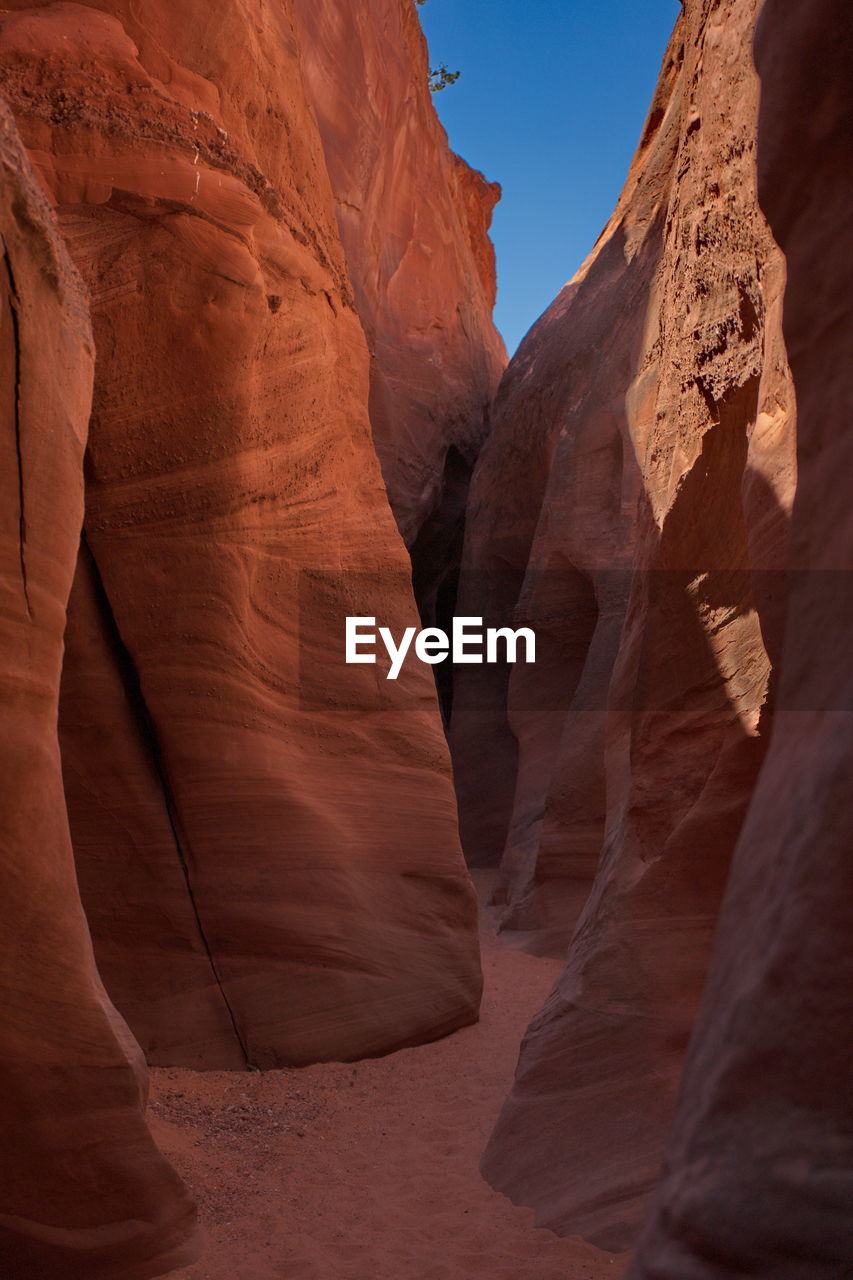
[148,734]
[231,446]
[436,556]
[14,304]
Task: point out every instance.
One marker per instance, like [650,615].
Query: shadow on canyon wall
[266,841]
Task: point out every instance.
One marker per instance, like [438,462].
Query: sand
[369,1171]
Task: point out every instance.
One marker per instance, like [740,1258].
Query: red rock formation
[758,1174]
[414,223]
[83,1189]
[292,820]
[155,961]
[636,481]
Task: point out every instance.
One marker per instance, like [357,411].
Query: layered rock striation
[414,222]
[631,505]
[260,303]
[83,1190]
[266,839]
[758,1177]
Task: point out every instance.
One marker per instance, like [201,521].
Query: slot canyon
[538,971]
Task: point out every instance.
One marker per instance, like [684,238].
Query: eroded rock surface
[84,1192]
[758,1176]
[414,222]
[631,504]
[267,840]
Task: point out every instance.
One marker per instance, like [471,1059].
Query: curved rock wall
[290,272]
[414,222]
[266,839]
[758,1172]
[631,504]
[83,1189]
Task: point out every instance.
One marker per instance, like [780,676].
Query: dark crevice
[14,304]
[436,560]
[149,736]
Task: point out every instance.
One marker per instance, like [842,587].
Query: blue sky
[550,103]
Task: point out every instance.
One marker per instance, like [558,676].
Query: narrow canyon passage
[346,1171]
[257,417]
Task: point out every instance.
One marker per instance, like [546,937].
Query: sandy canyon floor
[369,1171]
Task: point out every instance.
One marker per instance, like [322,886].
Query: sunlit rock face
[631,504]
[72,1080]
[272,877]
[414,221]
[758,1170]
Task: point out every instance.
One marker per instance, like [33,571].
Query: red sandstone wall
[83,1190]
[757,1178]
[414,222]
[631,504]
[272,875]
[275,878]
